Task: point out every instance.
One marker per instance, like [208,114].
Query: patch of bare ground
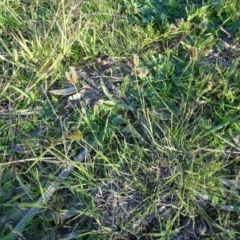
[225,53]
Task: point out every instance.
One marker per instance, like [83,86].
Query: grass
[161,159]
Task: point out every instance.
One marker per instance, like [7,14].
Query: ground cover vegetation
[119,119]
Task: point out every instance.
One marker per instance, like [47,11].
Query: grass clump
[159,111]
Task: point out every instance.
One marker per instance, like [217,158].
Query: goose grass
[155,170]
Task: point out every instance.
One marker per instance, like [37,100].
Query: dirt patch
[224,53]
[98,81]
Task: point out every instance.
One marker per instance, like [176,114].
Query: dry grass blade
[64,92]
[18,112]
[231,183]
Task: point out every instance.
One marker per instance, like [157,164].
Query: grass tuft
[146,145]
